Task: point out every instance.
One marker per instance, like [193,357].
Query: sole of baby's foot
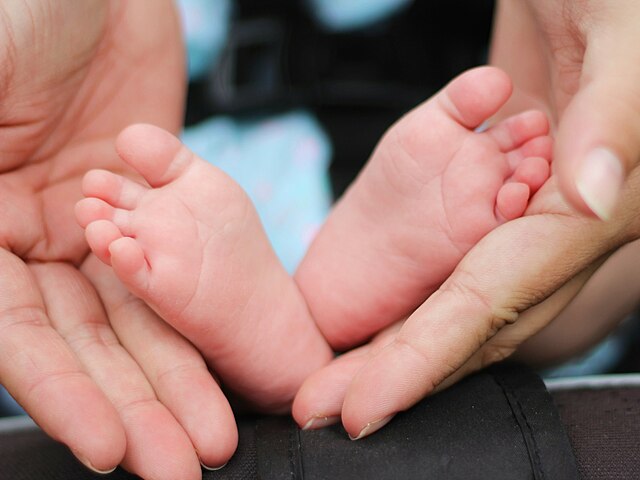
[191,245]
[434,186]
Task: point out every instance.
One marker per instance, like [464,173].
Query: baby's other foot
[191,245]
[432,189]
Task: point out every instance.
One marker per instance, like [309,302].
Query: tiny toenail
[372,427]
[321,421]
[599,181]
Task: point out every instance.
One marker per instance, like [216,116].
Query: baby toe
[512,201]
[533,172]
[100,234]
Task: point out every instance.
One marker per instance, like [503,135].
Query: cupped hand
[100,373]
[575,60]
[506,289]
[579,60]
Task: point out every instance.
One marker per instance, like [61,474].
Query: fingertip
[216,436]
[372,427]
[105,456]
[81,417]
[401,374]
[217,456]
[372,396]
[598,143]
[310,411]
[320,399]
[599,180]
[96,469]
[172,454]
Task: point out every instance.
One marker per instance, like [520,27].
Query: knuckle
[90,335]
[169,374]
[465,288]
[22,316]
[494,354]
[42,383]
[432,377]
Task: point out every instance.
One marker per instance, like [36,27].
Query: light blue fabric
[205,26]
[282,163]
[598,360]
[8,405]
[603,356]
[341,15]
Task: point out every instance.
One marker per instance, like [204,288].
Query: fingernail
[88,464]
[320,422]
[599,181]
[213,469]
[372,427]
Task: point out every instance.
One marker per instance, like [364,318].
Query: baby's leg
[431,190]
[191,245]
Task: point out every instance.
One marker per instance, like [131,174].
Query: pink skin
[172,243]
[191,245]
[572,58]
[431,190]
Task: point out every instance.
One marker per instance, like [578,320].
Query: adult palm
[74,74]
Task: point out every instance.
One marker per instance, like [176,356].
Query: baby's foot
[193,248]
[431,190]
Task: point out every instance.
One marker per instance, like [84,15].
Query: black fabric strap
[498,424]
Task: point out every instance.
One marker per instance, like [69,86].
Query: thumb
[598,141]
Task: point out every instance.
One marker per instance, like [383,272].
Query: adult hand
[571,58]
[507,288]
[75,74]
[578,59]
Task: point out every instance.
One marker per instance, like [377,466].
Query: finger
[157,447]
[598,140]
[175,369]
[46,378]
[529,323]
[319,401]
[488,290]
[591,316]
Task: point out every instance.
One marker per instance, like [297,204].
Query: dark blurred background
[357,82]
[277,57]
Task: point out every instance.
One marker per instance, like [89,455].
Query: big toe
[156,154]
[476,95]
